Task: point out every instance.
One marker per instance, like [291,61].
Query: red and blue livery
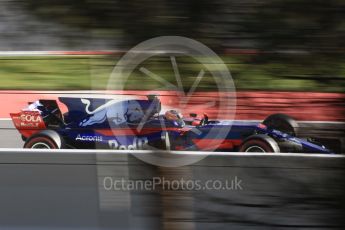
[130,124]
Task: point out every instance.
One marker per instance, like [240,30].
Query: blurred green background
[93,72]
[294,45]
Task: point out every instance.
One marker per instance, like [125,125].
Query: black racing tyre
[282,123]
[260,143]
[47,139]
[40,142]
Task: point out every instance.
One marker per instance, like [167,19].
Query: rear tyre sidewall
[40,140]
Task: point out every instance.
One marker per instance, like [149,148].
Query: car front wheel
[260,144]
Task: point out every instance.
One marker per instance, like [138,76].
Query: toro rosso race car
[139,124]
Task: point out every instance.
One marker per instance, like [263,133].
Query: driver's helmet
[173,115]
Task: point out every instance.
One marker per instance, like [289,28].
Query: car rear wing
[38,115]
[28,120]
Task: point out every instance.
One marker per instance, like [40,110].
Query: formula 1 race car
[93,123]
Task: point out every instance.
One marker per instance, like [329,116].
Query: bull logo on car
[114,111]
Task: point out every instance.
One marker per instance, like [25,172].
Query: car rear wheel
[260,144]
[282,123]
[46,139]
[40,142]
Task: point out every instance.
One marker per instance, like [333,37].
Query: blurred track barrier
[103,190]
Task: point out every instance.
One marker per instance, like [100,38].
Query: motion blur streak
[283,55]
[287,44]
